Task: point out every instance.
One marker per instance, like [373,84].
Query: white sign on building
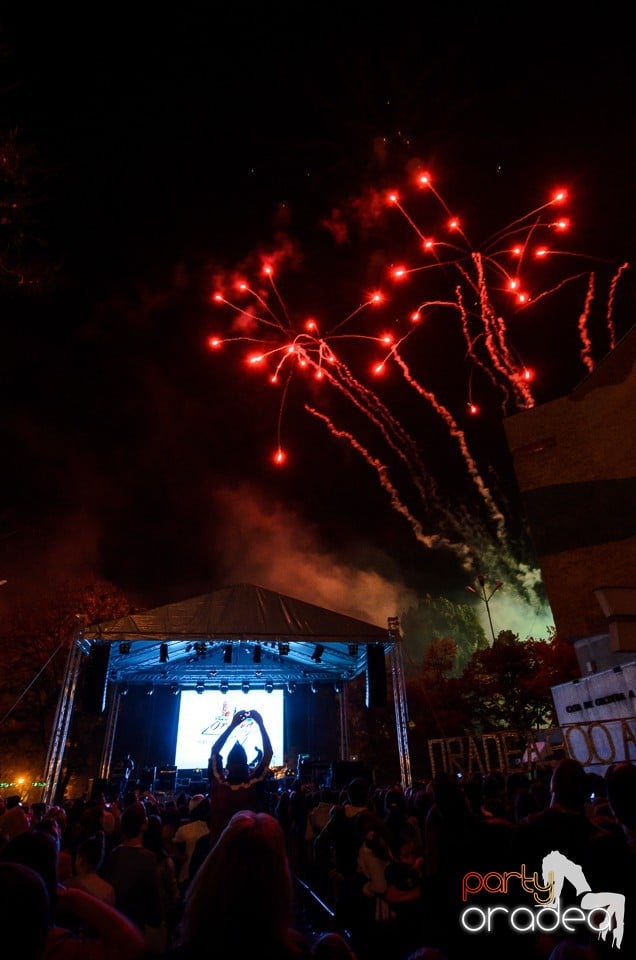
[597,715]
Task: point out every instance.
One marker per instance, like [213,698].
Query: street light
[486,597]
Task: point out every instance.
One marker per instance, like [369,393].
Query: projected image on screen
[204,716]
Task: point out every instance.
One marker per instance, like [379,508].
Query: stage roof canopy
[237,634]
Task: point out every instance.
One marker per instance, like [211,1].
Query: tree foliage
[36,632]
[436,617]
[507,686]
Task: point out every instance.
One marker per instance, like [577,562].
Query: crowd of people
[399,873]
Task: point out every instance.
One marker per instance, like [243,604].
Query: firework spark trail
[395,201]
[586,345]
[489,349]
[495,331]
[458,434]
[555,289]
[367,303]
[432,541]
[396,437]
[425,181]
[270,275]
[610,303]
[517,225]
[470,344]
[275,322]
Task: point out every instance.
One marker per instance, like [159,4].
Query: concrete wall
[575,462]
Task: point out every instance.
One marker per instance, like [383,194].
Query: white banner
[607,695]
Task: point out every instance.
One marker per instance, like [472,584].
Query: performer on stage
[125,784]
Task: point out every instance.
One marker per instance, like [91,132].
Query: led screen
[204,716]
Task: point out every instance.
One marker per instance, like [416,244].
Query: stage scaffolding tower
[343,699]
[62,719]
[400,701]
[114,700]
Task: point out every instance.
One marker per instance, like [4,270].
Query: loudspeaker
[147,779]
[199,786]
[375,691]
[166,780]
[94,691]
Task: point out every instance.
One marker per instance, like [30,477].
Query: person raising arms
[238,786]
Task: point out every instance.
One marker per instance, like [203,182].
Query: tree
[36,631]
[436,617]
[509,684]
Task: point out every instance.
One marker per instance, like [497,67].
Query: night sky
[150,158]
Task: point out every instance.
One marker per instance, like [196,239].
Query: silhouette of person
[240,902]
[239,786]
[128,769]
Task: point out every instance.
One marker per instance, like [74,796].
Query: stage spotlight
[258,653]
[245,686]
[314,686]
[337,687]
[269,686]
[318,652]
[224,687]
[283,649]
[149,689]
[353,649]
[123,689]
[163,653]
[124,647]
[291,686]
[200,687]
[227,653]
[174,688]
